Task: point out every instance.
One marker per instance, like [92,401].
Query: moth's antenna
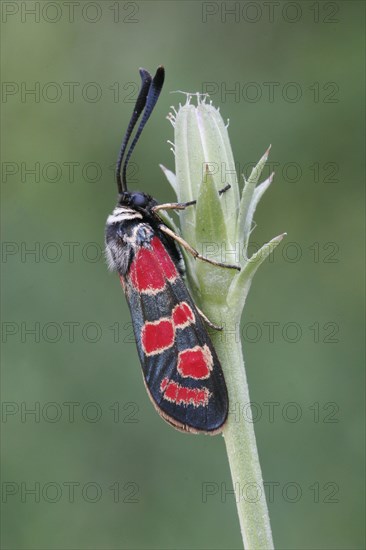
[151,99]
[139,107]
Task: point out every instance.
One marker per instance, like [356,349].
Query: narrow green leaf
[247,196]
[171,177]
[244,278]
[257,195]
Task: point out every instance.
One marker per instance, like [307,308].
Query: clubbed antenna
[147,98]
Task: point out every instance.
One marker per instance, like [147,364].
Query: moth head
[136,200]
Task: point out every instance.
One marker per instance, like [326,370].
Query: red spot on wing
[165,261]
[151,267]
[157,337]
[145,273]
[182,315]
[182,395]
[195,363]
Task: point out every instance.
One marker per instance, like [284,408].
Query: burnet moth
[181,370]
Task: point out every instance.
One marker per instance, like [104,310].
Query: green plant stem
[241,443]
[201,137]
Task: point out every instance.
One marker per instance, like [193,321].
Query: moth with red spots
[181,370]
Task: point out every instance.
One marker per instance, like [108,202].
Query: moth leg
[192,250]
[173,206]
[183,205]
[207,320]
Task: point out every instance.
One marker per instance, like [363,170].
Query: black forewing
[145,307]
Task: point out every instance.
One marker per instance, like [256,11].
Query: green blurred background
[107,472]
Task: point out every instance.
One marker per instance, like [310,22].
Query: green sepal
[246,208]
[210,222]
[239,286]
